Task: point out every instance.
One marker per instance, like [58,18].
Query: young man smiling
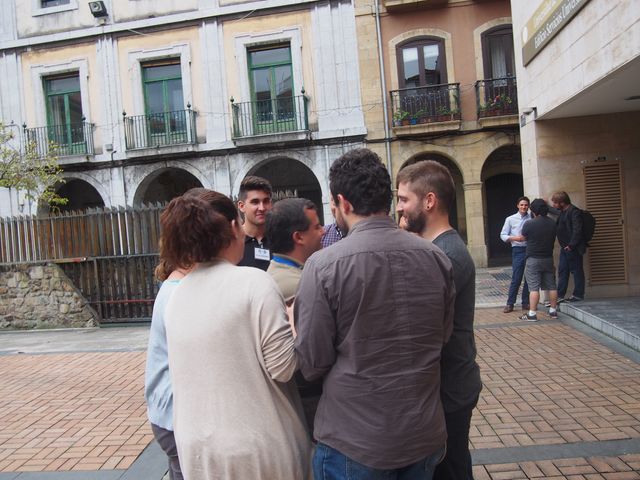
[254,201]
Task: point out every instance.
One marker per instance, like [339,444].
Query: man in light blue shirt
[512,233]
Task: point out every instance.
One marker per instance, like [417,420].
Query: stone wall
[41,296]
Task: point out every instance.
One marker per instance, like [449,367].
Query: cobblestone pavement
[559,401]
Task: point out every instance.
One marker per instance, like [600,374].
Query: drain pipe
[385,106]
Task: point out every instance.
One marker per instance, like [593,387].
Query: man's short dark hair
[361,178]
[539,207]
[526,199]
[285,218]
[252,182]
[430,176]
[561,197]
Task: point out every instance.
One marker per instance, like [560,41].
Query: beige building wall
[461,25]
[39,63]
[183,43]
[270,29]
[599,41]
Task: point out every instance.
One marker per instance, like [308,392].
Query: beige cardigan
[231,358]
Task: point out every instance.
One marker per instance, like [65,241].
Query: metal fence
[497,96]
[61,140]
[433,103]
[160,129]
[277,115]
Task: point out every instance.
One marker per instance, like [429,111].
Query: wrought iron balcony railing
[266,117]
[433,103]
[160,129]
[61,140]
[497,96]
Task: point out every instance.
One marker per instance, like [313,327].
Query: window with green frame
[64,111]
[164,100]
[271,78]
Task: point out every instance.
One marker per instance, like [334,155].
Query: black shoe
[529,318]
[560,300]
[553,314]
[574,299]
[508,309]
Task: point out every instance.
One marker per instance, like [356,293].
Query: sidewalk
[560,400]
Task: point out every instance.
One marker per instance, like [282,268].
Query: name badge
[262,254]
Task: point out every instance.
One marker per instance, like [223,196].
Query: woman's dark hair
[363,180]
[196,227]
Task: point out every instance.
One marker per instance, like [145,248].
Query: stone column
[475,223]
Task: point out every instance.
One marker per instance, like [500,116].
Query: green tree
[29,171]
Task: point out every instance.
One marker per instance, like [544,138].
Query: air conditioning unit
[98,9]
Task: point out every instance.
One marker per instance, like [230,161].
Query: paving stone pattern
[79,411]
[556,404]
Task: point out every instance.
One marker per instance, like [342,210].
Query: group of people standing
[532,235]
[351,357]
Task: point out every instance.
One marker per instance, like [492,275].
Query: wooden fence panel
[76,234]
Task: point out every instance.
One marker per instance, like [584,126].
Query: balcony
[60,140]
[497,102]
[268,121]
[426,110]
[160,129]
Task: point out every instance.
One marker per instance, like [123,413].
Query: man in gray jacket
[372,314]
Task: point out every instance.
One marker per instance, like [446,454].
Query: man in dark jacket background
[572,247]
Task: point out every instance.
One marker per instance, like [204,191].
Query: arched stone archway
[289,175]
[502,185]
[163,185]
[80,195]
[457,214]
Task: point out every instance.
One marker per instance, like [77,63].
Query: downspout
[385,106]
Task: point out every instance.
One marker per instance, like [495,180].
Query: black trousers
[167,442]
[456,464]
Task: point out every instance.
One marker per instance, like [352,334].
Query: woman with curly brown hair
[231,354]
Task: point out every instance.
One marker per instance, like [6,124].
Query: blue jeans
[570,263]
[518,259]
[330,464]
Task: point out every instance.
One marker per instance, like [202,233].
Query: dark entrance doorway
[502,177]
[457,214]
[80,195]
[503,192]
[290,177]
[163,186]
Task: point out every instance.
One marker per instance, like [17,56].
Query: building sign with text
[550,17]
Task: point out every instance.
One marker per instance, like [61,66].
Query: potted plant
[443,113]
[400,117]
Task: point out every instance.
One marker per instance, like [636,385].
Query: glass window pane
[272,55]
[262,94]
[53,3]
[154,97]
[284,81]
[56,110]
[162,72]
[432,65]
[410,64]
[174,92]
[66,84]
[75,108]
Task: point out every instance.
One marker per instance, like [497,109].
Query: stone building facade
[578,65]
[147,99]
[450,92]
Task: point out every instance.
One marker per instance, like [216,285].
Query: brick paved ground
[547,384]
[556,404]
[79,411]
